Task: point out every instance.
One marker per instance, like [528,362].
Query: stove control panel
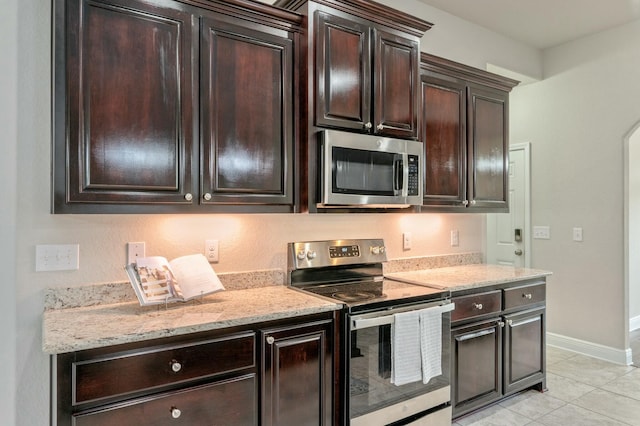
[318,254]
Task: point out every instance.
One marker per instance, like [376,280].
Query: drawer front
[476,305]
[230,402]
[524,295]
[127,372]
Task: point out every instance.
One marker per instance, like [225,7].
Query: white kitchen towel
[406,364]
[431,342]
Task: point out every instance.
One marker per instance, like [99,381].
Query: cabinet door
[396,86]
[477,365]
[343,67]
[246,115]
[230,402]
[443,132]
[124,112]
[488,148]
[297,375]
[524,354]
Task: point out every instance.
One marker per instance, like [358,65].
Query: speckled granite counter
[463,277]
[73,329]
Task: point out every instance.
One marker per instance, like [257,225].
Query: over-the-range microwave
[359,170]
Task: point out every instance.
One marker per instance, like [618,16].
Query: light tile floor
[582,391]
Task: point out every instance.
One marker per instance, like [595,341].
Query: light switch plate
[541,233]
[134,251]
[211,250]
[57,257]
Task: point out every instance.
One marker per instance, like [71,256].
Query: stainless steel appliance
[350,271]
[369,171]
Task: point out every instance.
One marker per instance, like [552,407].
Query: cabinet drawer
[475,305]
[230,402]
[127,372]
[524,295]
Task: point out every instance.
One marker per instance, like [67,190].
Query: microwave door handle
[398,174]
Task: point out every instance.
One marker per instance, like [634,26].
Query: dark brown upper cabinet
[167,106]
[366,77]
[464,128]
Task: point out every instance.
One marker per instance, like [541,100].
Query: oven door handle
[360,323]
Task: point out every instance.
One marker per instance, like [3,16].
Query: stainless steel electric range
[372,358]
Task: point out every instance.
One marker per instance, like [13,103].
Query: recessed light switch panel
[57,257]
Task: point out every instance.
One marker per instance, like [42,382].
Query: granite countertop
[464,277]
[88,327]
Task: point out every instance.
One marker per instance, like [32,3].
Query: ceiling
[543,23]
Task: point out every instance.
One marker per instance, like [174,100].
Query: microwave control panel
[414,175]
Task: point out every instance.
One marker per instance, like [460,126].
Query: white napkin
[406,363]
[431,342]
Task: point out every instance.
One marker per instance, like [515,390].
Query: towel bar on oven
[358,323]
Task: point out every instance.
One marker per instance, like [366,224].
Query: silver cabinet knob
[465,203]
[478,306]
[509,323]
[527,296]
[501,323]
[270,340]
[368,125]
[175,366]
[175,413]
[518,252]
[473,202]
[380,127]
[188,196]
[207,197]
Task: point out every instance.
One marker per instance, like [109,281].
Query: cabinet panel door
[247,115]
[488,147]
[231,402]
[297,375]
[443,132]
[524,353]
[477,365]
[396,86]
[343,67]
[129,91]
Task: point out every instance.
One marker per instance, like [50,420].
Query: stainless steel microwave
[369,171]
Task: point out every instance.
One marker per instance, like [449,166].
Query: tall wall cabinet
[174,106]
[464,127]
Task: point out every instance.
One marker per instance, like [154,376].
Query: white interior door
[509,234]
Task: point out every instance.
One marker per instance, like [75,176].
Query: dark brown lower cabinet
[274,373]
[498,344]
[297,375]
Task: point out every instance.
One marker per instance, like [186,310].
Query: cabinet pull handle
[380,127]
[270,340]
[175,366]
[509,323]
[527,295]
[175,412]
[188,196]
[207,197]
[368,125]
[478,306]
[501,324]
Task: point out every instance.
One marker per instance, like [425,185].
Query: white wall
[8,218]
[576,119]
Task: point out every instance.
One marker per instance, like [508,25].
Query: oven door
[373,399]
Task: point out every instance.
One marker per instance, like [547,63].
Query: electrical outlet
[53,257]
[134,251]
[211,250]
[406,241]
[577,234]
[455,238]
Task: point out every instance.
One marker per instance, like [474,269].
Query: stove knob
[382,249]
[375,250]
[311,255]
[302,255]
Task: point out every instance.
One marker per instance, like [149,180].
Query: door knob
[518,252]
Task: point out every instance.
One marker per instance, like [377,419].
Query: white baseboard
[595,350]
[634,323]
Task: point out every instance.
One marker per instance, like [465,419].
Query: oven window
[362,172]
[370,386]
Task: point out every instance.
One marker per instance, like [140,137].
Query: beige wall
[634,227]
